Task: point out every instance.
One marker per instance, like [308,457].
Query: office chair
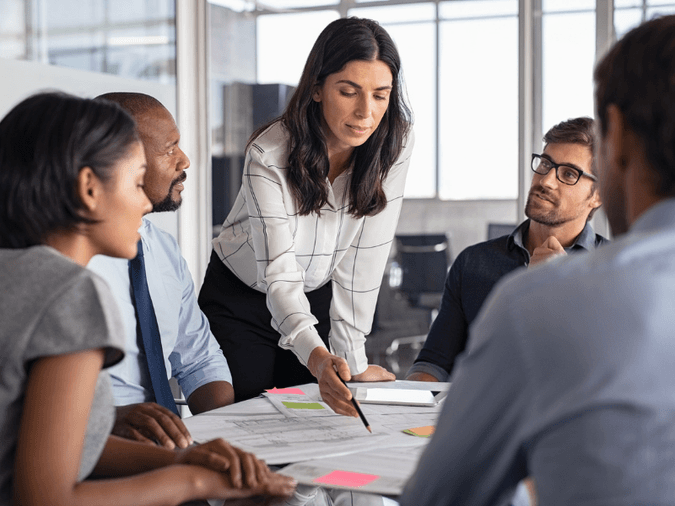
[420,267]
[499,229]
[418,273]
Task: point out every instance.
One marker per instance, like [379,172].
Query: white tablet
[396,396]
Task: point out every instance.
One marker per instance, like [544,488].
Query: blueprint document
[294,430]
[278,439]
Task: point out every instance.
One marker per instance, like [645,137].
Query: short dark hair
[572,131]
[134,103]
[638,76]
[343,41]
[44,143]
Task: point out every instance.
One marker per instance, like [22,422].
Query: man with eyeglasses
[562,199]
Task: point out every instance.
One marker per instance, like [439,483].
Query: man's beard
[169,204]
[549,218]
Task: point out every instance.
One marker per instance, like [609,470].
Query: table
[295,429]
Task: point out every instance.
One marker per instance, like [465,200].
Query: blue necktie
[148,332]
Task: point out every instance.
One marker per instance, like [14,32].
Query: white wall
[23,78]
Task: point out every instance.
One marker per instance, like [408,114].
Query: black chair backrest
[424,261]
[499,229]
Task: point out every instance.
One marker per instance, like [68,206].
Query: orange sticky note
[425,431]
[286,391]
[346,479]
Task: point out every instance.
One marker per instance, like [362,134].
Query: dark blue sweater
[470,280]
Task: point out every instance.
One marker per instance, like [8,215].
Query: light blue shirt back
[569,377]
[191,353]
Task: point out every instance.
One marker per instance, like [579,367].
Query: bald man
[190,352]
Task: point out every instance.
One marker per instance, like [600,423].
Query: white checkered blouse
[271,248]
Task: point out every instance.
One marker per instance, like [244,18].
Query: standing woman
[300,258]
[71,187]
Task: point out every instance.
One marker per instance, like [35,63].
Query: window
[451,93]
[461,68]
[284,42]
[568,59]
[478,100]
[413,27]
[134,40]
[630,13]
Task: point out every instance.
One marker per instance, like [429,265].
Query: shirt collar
[585,240]
[516,237]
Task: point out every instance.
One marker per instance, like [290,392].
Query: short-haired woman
[71,187]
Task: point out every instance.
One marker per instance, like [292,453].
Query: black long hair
[44,143]
[343,41]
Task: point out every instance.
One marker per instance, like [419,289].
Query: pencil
[357,407]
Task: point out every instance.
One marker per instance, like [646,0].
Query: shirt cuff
[305,342]
[426,367]
[357,360]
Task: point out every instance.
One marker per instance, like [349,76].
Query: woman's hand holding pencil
[332,372]
[329,370]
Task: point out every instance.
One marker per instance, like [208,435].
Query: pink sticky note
[286,391]
[346,479]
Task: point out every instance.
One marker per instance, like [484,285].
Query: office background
[485,78]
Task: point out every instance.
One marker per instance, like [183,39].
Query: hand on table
[374,373]
[218,485]
[550,248]
[243,469]
[149,422]
[325,367]
[421,376]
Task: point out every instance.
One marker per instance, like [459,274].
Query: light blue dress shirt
[191,353]
[569,376]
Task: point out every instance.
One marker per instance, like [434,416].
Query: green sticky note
[302,405]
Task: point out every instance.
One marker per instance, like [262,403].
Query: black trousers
[241,323]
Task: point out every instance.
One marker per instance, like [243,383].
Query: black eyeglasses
[566,174]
